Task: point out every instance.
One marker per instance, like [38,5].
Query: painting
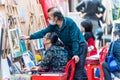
[40,44]
[14,42]
[28,59]
[17,46]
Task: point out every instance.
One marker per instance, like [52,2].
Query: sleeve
[45,63]
[91,47]
[109,49]
[80,5]
[108,53]
[74,38]
[41,33]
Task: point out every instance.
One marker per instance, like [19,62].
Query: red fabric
[70,65]
[91,42]
[46,4]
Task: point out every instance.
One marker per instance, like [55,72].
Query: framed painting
[14,41]
[28,59]
[40,43]
[17,46]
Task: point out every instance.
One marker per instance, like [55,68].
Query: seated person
[116,54]
[55,58]
[86,28]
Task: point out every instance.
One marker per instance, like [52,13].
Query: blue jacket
[116,51]
[69,34]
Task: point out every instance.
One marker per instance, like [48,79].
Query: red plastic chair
[90,66]
[71,64]
[61,76]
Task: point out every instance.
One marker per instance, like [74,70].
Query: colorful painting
[14,42]
[29,59]
[17,46]
[40,44]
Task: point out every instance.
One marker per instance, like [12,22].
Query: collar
[63,24]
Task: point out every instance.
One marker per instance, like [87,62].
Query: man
[91,9]
[116,54]
[69,34]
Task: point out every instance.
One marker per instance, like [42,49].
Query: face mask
[51,22]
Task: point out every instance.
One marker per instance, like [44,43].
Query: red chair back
[70,66]
[103,53]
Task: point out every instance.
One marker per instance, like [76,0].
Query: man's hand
[99,15]
[35,68]
[25,70]
[25,37]
[82,15]
[76,58]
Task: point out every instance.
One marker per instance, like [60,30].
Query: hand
[76,58]
[99,15]
[25,37]
[82,15]
[25,70]
[34,68]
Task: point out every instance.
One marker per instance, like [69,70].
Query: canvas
[14,42]
[39,45]
[17,46]
[28,59]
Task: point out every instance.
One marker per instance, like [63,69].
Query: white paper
[94,57]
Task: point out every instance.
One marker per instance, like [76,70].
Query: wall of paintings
[18,17]
[21,17]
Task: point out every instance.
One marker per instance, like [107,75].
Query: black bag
[112,63]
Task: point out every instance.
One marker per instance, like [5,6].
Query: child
[86,28]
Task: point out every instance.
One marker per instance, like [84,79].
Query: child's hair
[87,24]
